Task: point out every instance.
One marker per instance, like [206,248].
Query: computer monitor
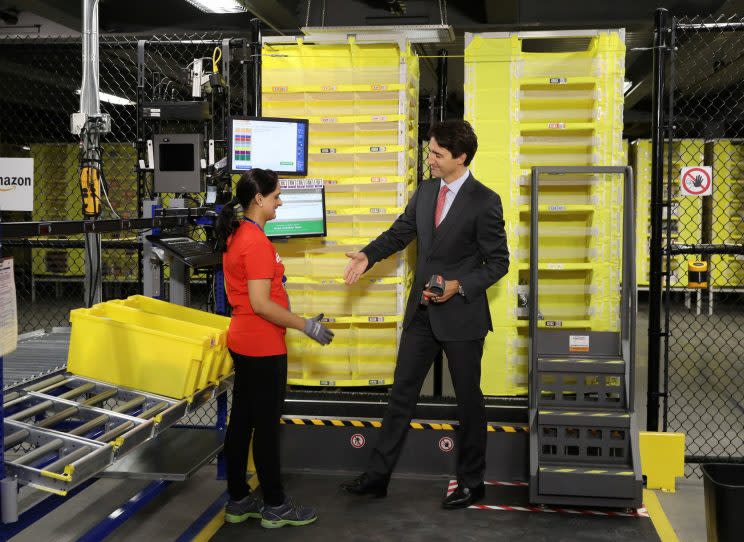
[268,143]
[302,213]
[177,162]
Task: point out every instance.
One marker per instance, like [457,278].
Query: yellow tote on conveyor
[220,323]
[144,351]
[133,356]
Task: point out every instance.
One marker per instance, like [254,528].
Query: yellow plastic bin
[134,356]
[186,314]
[213,358]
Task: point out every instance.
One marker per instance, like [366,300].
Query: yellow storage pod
[727,271]
[361,98]
[537,103]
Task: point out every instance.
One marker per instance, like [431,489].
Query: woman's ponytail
[227,223]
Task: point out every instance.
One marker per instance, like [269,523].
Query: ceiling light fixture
[112,99]
[218,6]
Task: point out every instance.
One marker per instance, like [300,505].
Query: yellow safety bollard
[662,459]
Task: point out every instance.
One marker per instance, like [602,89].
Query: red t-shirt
[249,256]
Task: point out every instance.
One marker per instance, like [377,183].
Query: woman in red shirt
[254,277]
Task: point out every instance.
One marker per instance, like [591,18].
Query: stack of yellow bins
[684,213]
[532,106]
[149,345]
[361,100]
[727,271]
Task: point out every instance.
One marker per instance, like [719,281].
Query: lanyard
[253,222]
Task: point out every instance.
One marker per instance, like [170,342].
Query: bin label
[578,343]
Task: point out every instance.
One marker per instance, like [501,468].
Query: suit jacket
[469,245]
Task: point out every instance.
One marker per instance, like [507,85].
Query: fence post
[256,37]
[661,43]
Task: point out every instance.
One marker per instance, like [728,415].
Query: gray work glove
[317,331]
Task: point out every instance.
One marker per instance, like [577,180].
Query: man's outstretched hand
[357,265]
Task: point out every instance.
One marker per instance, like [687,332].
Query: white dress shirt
[453,189]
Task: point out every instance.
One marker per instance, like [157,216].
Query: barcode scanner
[436,288]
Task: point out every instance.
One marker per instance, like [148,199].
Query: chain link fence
[38,92]
[704,343]
[39,89]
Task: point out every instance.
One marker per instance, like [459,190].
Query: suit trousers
[418,348]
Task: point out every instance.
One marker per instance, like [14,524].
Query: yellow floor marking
[658,517]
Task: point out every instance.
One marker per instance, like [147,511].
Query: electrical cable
[216,57]
[307,13]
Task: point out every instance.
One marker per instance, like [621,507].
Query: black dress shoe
[463,497]
[364,485]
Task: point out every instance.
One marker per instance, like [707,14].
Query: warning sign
[358,441]
[446,444]
[8,309]
[696,181]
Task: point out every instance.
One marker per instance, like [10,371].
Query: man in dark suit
[460,230]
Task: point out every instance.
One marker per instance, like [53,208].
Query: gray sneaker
[288,513]
[247,507]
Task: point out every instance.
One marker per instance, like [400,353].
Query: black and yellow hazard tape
[592,414]
[588,470]
[326,422]
[596,361]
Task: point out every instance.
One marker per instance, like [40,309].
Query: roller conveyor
[66,429]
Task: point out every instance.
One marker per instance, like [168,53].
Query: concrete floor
[411,512]
[686,510]
[698,366]
[168,516]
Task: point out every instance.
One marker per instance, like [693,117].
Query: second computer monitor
[302,213]
[268,143]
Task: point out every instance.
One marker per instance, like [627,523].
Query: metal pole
[442,84]
[257,36]
[90,106]
[441,108]
[661,41]
[141,156]
[533,292]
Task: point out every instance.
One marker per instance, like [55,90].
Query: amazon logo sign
[17,184]
[10,183]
